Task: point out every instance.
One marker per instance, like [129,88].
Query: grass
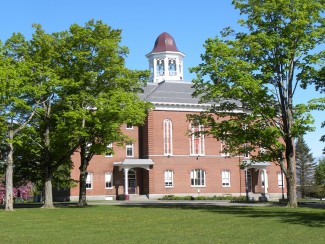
[163,224]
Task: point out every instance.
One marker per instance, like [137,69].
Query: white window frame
[198,178]
[199,147]
[280,179]
[109,180]
[225,178]
[129,148]
[89,181]
[109,155]
[169,178]
[168,137]
[129,126]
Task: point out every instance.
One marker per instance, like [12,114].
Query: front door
[132,182]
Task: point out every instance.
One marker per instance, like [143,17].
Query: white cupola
[165,60]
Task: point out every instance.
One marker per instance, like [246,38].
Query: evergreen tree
[320,173]
[305,166]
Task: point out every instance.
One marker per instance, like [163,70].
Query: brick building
[165,159]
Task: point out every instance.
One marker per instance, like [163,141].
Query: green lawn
[136,224]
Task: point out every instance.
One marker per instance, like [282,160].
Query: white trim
[111,154]
[225,178]
[131,147]
[169,178]
[109,179]
[89,180]
[168,141]
[129,126]
[193,177]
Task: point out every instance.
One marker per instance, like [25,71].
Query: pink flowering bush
[23,192]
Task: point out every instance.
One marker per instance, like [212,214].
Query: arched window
[198,177]
[172,66]
[160,66]
[197,139]
[168,137]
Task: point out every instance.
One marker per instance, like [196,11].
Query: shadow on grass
[300,216]
[40,205]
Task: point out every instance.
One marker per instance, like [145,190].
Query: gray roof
[169,92]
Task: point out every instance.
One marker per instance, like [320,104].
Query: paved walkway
[177,203]
[202,203]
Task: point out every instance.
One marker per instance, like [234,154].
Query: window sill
[198,186]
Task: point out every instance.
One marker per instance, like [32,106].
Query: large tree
[252,78]
[105,92]
[305,166]
[17,103]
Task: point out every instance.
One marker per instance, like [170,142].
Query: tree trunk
[82,188]
[291,175]
[9,176]
[48,202]
[83,177]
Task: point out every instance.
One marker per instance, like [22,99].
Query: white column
[126,182]
[266,181]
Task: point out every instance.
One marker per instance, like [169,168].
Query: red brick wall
[181,162]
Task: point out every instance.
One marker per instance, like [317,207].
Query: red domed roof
[164,42]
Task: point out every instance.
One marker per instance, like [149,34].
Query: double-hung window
[89,181]
[169,178]
[280,179]
[129,149]
[108,180]
[225,178]
[198,177]
[109,150]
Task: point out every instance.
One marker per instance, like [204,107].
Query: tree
[105,92]
[252,77]
[305,166]
[319,188]
[17,103]
[320,173]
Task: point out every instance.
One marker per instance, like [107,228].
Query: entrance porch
[135,176]
[256,179]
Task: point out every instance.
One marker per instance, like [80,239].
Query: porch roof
[134,163]
[248,164]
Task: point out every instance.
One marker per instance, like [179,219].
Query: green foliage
[320,173]
[251,77]
[77,85]
[305,166]
[205,198]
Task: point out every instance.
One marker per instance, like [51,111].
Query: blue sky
[141,21]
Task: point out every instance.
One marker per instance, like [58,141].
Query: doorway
[249,181]
[132,182]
